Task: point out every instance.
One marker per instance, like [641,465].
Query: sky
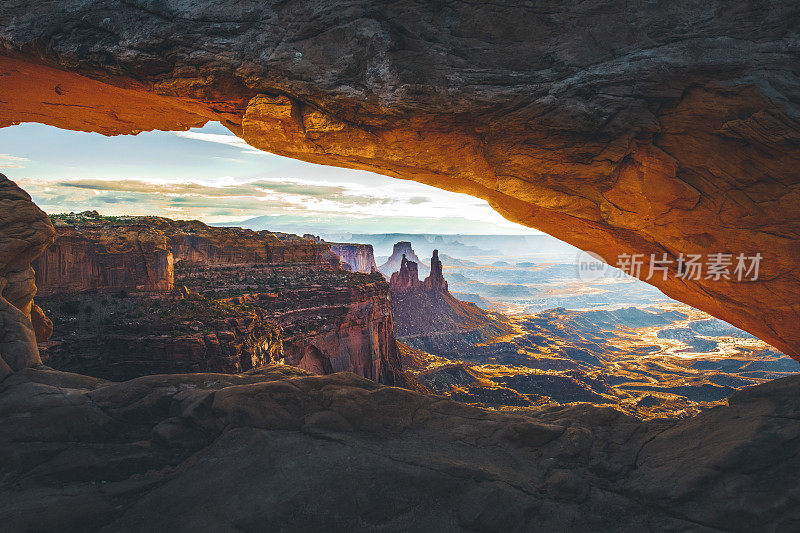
[211,175]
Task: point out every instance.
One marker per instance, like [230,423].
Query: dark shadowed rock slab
[279,449]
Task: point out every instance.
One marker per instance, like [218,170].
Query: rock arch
[620,128]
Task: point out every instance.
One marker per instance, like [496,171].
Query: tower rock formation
[399,251]
[436,281]
[407,278]
[429,318]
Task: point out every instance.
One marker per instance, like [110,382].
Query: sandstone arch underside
[667,127]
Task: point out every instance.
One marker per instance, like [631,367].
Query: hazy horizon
[211,175]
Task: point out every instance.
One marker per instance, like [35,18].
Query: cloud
[9,157]
[255,194]
[304,203]
[218,138]
[307,189]
[12,161]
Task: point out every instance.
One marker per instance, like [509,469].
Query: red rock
[426,312]
[24,232]
[42,326]
[359,257]
[325,319]
[436,281]
[407,278]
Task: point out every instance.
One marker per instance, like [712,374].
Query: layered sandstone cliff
[104,254]
[142,295]
[334,322]
[119,338]
[621,127]
[98,256]
[360,257]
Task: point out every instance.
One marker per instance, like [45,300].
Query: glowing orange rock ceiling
[621,129]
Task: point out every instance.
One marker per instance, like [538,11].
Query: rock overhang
[672,130]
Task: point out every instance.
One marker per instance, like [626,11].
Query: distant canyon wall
[360,257]
[139,254]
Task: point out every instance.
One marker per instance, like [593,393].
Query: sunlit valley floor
[556,339]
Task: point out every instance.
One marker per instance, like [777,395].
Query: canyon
[654,360]
[678,137]
[131,296]
[660,129]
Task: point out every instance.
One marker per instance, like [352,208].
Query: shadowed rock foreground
[282,450]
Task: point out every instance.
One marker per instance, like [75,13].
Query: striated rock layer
[97,253]
[119,338]
[620,127]
[333,322]
[206,299]
[360,257]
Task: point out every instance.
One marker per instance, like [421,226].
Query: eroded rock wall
[95,253]
[620,127]
[235,299]
[24,232]
[120,338]
[105,259]
[360,257]
[339,322]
